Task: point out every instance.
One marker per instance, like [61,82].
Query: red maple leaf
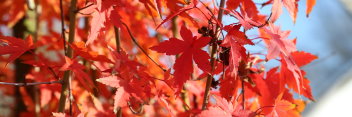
[279,45]
[310,4]
[223,108]
[282,108]
[81,76]
[235,40]
[290,5]
[192,5]
[121,96]
[300,58]
[303,58]
[248,5]
[105,15]
[80,49]
[14,46]
[190,47]
[278,42]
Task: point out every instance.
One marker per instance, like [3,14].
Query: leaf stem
[212,60]
[140,47]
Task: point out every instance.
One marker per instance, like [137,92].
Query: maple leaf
[235,40]
[131,81]
[278,45]
[15,12]
[80,49]
[282,108]
[302,58]
[290,5]
[126,90]
[147,5]
[244,20]
[223,108]
[121,96]
[14,46]
[278,42]
[82,77]
[228,87]
[248,7]
[190,47]
[105,14]
[289,67]
[310,4]
[184,9]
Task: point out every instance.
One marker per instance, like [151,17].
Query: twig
[266,22]
[117,39]
[53,73]
[63,25]
[145,53]
[261,108]
[79,9]
[174,27]
[30,84]
[212,60]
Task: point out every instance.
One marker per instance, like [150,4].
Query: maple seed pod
[204,31]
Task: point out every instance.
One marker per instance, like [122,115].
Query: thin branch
[53,73]
[79,9]
[266,22]
[174,27]
[65,90]
[243,97]
[212,60]
[62,25]
[117,39]
[30,84]
[261,108]
[135,42]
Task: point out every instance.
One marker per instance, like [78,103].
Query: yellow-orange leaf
[310,4]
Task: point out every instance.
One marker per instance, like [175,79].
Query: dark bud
[225,55]
[214,83]
[203,31]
